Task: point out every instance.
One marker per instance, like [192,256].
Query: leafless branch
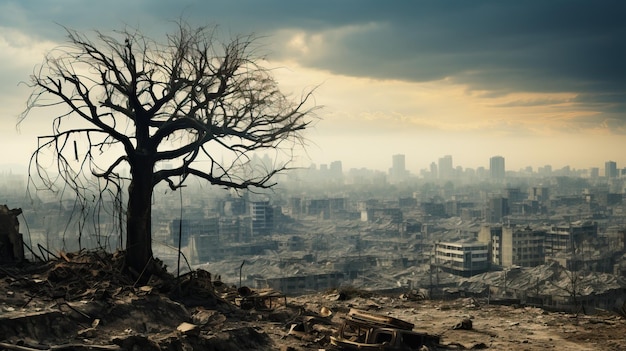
[124,102]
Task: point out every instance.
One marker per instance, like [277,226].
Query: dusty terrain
[82,302]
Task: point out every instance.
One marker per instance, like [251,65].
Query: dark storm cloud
[493,46]
[496,46]
[542,46]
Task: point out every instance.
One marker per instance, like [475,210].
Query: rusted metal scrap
[363,330]
[264,299]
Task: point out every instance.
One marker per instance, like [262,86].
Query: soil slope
[82,302]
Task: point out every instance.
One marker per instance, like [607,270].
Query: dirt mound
[84,301]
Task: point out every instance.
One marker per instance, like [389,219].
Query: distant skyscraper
[262,218]
[446,171]
[545,170]
[610,169]
[497,209]
[496,167]
[541,194]
[398,164]
[433,170]
[398,167]
[336,168]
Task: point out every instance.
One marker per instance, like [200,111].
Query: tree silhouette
[130,110]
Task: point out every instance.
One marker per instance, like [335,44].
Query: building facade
[514,246]
[462,258]
[496,168]
[446,171]
[497,208]
[522,247]
[569,237]
[262,215]
[398,168]
[610,169]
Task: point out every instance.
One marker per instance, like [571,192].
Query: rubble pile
[83,301]
[552,287]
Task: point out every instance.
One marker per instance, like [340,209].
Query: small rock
[188,328]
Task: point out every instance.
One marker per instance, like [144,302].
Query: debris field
[83,301]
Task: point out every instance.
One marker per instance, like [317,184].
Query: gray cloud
[496,46]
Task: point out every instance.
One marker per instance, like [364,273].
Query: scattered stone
[465,324]
[188,329]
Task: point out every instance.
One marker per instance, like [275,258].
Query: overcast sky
[538,82]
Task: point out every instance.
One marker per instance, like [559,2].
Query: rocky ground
[82,302]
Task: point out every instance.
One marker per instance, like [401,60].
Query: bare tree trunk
[139,215]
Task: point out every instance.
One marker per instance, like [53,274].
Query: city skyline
[536,82]
[339,166]
[397,165]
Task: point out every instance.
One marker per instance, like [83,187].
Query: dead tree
[573,283]
[132,110]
